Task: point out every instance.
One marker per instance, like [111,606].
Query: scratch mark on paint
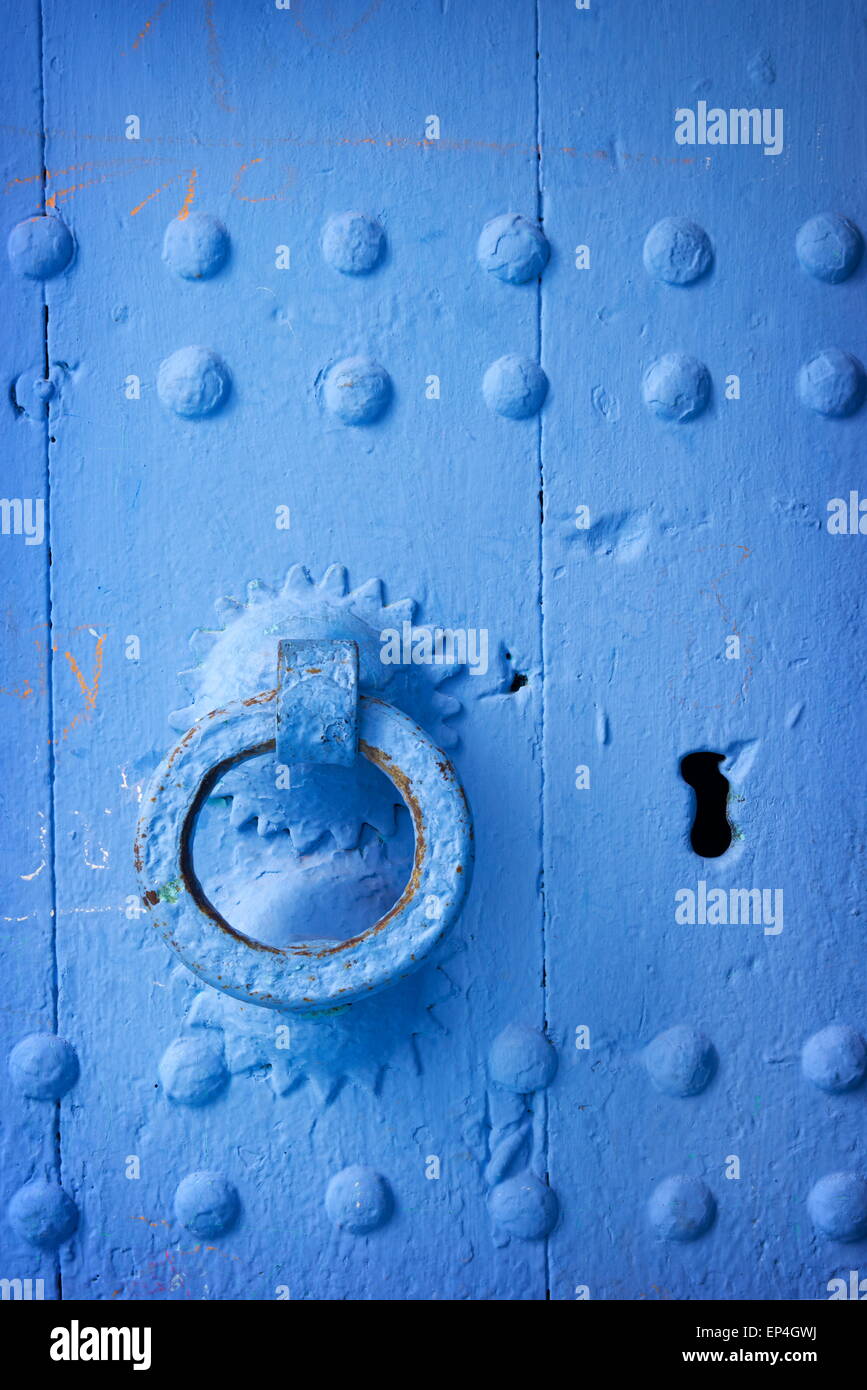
[142,34]
[70,192]
[130,786]
[217,76]
[468,145]
[90,692]
[342,34]
[87,852]
[18,693]
[72,169]
[43,831]
[188,200]
[157,191]
[271,197]
[67,912]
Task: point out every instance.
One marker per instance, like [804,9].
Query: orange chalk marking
[188,200]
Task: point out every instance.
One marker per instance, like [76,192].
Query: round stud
[207,1204]
[40,247]
[835,1059]
[43,1066]
[838,1206]
[195,246]
[43,1214]
[521,1059]
[682,1208]
[192,1070]
[832,383]
[358,1200]
[677,251]
[513,249]
[353,243]
[829,247]
[515,387]
[357,390]
[680,1061]
[523,1207]
[676,387]
[193,382]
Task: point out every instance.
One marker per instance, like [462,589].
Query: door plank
[699,530]
[272,121]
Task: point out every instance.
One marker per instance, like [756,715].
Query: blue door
[433,783]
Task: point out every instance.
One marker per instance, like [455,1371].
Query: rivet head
[192,1070]
[521,1059]
[195,246]
[353,243]
[681,1208]
[677,251]
[680,1061]
[357,390]
[40,247]
[829,247]
[43,1066]
[835,1058]
[837,1205]
[523,1208]
[515,387]
[207,1204]
[193,382]
[358,1200]
[43,1214]
[676,387]
[513,249]
[832,383]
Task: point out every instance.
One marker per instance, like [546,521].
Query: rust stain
[404,786]
[263,698]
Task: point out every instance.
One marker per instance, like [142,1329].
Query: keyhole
[711,833]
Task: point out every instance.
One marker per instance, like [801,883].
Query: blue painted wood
[28,1145]
[698,531]
[432,292]
[163,513]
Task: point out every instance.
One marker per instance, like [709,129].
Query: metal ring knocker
[315,714]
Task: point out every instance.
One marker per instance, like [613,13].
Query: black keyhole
[711,833]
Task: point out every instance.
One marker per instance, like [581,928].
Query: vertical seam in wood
[49,676]
[541,1098]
